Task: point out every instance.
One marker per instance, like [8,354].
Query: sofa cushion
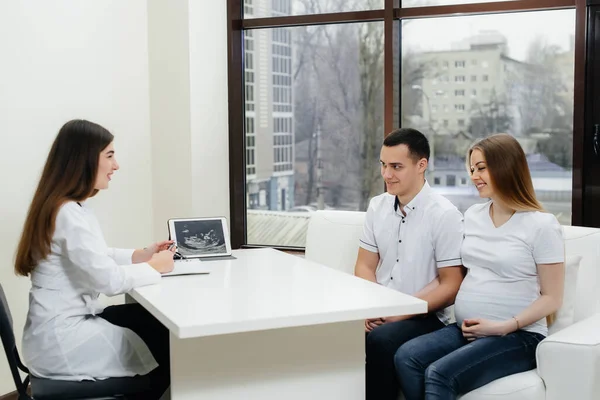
[523,386]
[585,242]
[564,316]
[332,238]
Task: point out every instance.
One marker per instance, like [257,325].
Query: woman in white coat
[68,334]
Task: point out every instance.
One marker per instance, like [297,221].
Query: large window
[319,96]
[526,91]
[324,81]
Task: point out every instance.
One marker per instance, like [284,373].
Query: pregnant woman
[514,255]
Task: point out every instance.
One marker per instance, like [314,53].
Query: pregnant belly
[494,308]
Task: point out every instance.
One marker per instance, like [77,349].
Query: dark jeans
[156,337]
[443,364]
[381,346]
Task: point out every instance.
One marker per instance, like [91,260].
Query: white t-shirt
[502,278]
[412,247]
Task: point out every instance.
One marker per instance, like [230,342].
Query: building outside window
[314,95]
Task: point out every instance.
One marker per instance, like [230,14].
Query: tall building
[479,79]
[269,110]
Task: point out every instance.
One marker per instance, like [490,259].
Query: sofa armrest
[569,361]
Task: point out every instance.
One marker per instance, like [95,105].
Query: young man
[411,243]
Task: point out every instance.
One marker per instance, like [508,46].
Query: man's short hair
[417,143]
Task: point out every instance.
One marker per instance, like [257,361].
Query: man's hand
[477,328]
[395,318]
[373,323]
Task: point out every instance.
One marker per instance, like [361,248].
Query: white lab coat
[63,337]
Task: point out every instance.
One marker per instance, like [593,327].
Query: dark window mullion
[237,153]
[587,159]
[313,19]
[482,8]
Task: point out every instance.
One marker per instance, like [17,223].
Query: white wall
[188,86]
[154,73]
[65,59]
[168,47]
[209,107]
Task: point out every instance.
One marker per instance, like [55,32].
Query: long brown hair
[510,176]
[509,173]
[69,175]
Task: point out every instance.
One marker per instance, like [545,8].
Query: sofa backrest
[585,242]
[332,238]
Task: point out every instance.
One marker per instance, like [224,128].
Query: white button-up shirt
[412,247]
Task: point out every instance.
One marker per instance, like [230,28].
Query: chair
[568,359]
[50,389]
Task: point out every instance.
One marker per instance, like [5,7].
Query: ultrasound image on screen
[196,238]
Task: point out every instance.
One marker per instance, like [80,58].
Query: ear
[422,165]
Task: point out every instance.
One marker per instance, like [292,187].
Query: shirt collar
[416,202]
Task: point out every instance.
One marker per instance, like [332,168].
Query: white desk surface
[267,289]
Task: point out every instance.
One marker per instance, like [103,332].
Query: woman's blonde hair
[509,175]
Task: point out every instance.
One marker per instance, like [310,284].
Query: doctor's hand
[162,261]
[145,254]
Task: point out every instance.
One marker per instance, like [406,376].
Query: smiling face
[480,175]
[107,164]
[402,174]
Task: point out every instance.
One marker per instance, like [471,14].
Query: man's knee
[379,342]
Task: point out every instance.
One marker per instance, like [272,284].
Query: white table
[269,325]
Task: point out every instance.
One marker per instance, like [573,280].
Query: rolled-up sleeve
[367,239]
[447,239]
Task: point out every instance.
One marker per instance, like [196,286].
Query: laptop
[198,240]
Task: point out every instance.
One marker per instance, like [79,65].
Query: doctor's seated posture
[514,254]
[411,243]
[68,335]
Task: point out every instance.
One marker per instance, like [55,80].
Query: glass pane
[277,8]
[491,74]
[314,124]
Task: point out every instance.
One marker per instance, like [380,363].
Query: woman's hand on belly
[478,327]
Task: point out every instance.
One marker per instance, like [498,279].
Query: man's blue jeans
[443,364]
[381,345]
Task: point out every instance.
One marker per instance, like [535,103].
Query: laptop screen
[200,237]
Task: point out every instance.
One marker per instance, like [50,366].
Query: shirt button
[403,221]
[397,259]
[392,278]
[399,241]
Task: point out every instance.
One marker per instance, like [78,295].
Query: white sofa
[568,359]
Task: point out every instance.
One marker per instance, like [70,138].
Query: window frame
[392,14]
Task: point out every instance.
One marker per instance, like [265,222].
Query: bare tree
[371,99]
[549,106]
[543,83]
[339,82]
[490,117]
